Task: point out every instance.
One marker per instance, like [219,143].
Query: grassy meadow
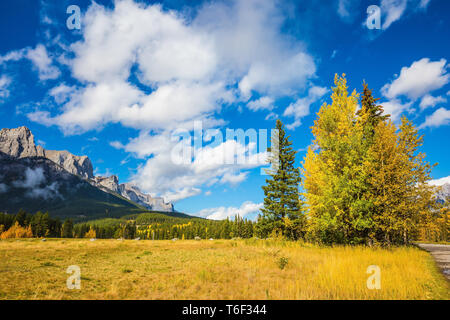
[217,269]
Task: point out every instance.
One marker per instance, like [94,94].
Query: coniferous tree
[282,210]
[370,113]
[67,229]
[20,217]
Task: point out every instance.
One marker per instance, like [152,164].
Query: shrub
[282,262]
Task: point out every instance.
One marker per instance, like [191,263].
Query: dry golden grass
[219,269]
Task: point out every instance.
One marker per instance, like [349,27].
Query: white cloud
[62,93]
[424,4]
[395,108]
[189,64]
[300,108]
[422,77]
[263,103]
[40,58]
[251,48]
[348,9]
[5,81]
[34,178]
[440,182]
[180,194]
[271,116]
[392,11]
[182,69]
[15,55]
[3,188]
[220,213]
[232,178]
[163,175]
[43,63]
[439,118]
[343,8]
[161,43]
[430,101]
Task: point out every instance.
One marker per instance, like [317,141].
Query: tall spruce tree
[67,229]
[282,209]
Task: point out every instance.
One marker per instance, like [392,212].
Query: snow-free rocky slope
[34,178]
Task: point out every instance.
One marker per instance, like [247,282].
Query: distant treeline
[145,226]
[40,225]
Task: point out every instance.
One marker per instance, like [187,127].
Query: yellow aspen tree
[332,171]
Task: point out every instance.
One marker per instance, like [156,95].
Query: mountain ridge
[18,145]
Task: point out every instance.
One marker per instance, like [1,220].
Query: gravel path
[441,253]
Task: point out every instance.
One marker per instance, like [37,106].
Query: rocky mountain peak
[133,193]
[80,165]
[443,193]
[19,143]
[111,183]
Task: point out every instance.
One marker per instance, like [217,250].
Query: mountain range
[33,178]
[443,193]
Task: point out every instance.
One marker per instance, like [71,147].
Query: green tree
[281,193]
[20,217]
[334,176]
[67,229]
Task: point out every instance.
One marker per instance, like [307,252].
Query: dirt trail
[441,253]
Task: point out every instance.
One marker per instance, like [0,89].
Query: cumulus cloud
[62,93]
[43,63]
[263,103]
[248,208]
[395,108]
[438,118]
[416,82]
[301,107]
[430,101]
[40,59]
[422,77]
[216,163]
[169,70]
[252,49]
[188,65]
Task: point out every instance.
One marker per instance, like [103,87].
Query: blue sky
[138,71]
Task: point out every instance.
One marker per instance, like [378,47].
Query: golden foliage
[91,233]
[17,231]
